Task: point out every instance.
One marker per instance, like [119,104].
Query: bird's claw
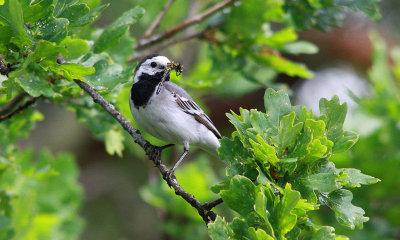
[154,152]
[169,176]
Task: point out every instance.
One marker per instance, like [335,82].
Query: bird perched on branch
[167,111]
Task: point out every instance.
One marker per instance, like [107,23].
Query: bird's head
[152,66]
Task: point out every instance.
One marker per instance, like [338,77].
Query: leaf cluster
[278,170]
[377,152]
[258,37]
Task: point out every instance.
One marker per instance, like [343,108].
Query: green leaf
[75,12]
[283,218]
[70,71]
[219,229]
[74,48]
[259,234]
[111,35]
[306,184]
[277,104]
[36,87]
[368,7]
[334,113]
[300,47]
[241,122]
[324,232]
[108,76]
[89,17]
[283,65]
[354,178]
[61,5]
[54,29]
[36,11]
[262,206]
[278,39]
[346,213]
[5,36]
[240,196]
[237,157]
[264,152]
[317,127]
[114,141]
[44,50]
[346,142]
[287,132]
[313,13]
[20,37]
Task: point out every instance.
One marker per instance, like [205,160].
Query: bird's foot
[169,176]
[154,152]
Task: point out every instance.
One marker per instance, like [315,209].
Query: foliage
[278,170]
[32,35]
[275,161]
[377,151]
[33,205]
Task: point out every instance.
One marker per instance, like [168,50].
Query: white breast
[163,118]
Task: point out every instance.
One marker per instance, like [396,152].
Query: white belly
[168,123]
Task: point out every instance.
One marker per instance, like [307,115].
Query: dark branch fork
[10,105]
[18,109]
[199,35]
[149,41]
[157,21]
[154,153]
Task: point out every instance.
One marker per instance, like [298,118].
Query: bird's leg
[185,152]
[154,152]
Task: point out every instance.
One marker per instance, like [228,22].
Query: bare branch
[211,205]
[11,104]
[200,35]
[185,24]
[205,213]
[19,109]
[156,22]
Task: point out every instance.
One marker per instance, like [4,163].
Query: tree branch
[156,21]
[200,35]
[144,43]
[204,212]
[20,108]
[211,205]
[11,104]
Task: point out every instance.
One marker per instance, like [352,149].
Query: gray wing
[189,106]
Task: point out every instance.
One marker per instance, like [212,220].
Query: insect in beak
[170,66]
[175,66]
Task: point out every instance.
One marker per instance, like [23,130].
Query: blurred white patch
[345,83]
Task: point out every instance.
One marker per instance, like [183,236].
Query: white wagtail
[167,112]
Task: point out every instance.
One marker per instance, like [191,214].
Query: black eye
[153,64]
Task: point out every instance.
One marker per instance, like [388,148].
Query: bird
[167,112]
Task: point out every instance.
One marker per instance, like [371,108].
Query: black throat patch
[143,89]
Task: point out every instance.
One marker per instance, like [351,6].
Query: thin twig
[19,109]
[206,214]
[198,35]
[157,21]
[211,205]
[185,24]
[11,104]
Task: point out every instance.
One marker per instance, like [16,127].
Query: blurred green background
[117,197]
